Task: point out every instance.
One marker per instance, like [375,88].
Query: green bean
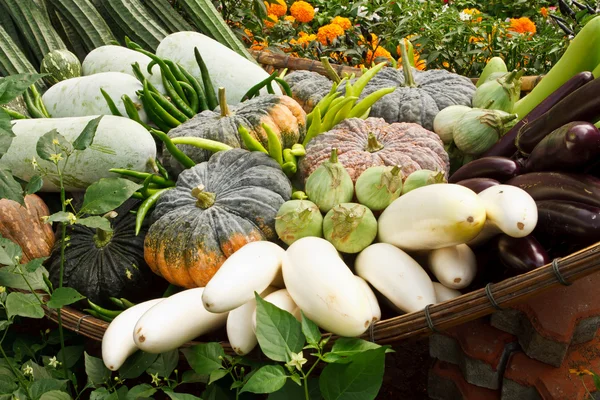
[117,302]
[138,195]
[168,106]
[179,102]
[146,186]
[176,71]
[111,104]
[152,115]
[192,96]
[161,169]
[97,315]
[13,114]
[145,207]
[151,65]
[270,88]
[288,156]
[206,144]
[284,85]
[103,311]
[137,71]
[274,144]
[254,90]
[159,180]
[289,168]
[160,111]
[127,303]
[196,85]
[298,150]
[177,154]
[249,141]
[315,127]
[37,98]
[366,103]
[31,107]
[299,195]
[132,111]
[209,90]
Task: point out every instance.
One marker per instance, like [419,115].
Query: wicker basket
[467,307]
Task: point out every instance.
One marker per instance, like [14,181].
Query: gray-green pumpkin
[282,113]
[308,88]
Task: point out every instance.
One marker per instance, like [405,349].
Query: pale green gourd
[350,227]
[445,121]
[297,219]
[330,184]
[501,93]
[378,186]
[423,177]
[479,129]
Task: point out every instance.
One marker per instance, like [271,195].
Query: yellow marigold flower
[250,35]
[446,64]
[289,18]
[544,12]
[259,45]
[329,32]
[379,52]
[474,13]
[580,371]
[304,39]
[343,22]
[522,25]
[302,11]
[271,20]
[279,8]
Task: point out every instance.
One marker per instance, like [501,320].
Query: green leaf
[6,132]
[143,390]
[217,374]
[34,185]
[179,396]
[204,358]
[9,188]
[193,377]
[63,297]
[10,277]
[107,194]
[100,394]
[15,85]
[34,264]
[86,138]
[24,305]
[136,365]
[39,372]
[61,216]
[56,395]
[359,379]
[51,144]
[291,391]
[218,392]
[7,384]
[70,355]
[268,379]
[165,364]
[95,370]
[9,252]
[4,324]
[96,222]
[42,386]
[347,347]
[277,331]
[310,330]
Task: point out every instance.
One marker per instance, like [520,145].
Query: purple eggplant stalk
[478,184]
[506,146]
[568,148]
[498,168]
[573,222]
[560,186]
[521,254]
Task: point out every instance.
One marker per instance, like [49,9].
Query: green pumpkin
[308,88]
[61,65]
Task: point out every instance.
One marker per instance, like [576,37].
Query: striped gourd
[35,27]
[210,22]
[86,21]
[61,65]
[164,13]
[12,59]
[136,22]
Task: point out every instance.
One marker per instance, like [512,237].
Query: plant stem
[12,368]
[409,80]
[29,285]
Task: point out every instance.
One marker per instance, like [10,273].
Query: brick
[479,350]
[447,383]
[546,325]
[529,379]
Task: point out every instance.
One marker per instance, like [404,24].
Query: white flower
[297,361]
[53,362]
[316,9]
[445,8]
[27,370]
[464,16]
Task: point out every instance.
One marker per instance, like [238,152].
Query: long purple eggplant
[478,184]
[521,254]
[570,221]
[506,146]
[581,105]
[568,148]
[498,168]
[560,186]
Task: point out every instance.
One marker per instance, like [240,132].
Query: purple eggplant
[560,186]
[478,184]
[581,105]
[570,221]
[521,254]
[506,147]
[570,147]
[498,168]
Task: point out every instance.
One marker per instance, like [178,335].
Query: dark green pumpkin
[282,113]
[308,88]
[216,207]
[100,265]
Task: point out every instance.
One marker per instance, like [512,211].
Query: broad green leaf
[52,144]
[34,185]
[61,216]
[86,137]
[24,347]
[218,392]
[24,305]
[6,132]
[7,384]
[277,331]
[164,364]
[63,297]
[34,264]
[107,194]
[143,390]
[360,379]
[9,252]
[347,347]
[10,277]
[193,377]
[16,85]
[39,372]
[70,355]
[204,358]
[136,364]
[95,370]
[56,395]
[96,222]
[268,379]
[42,386]
[217,374]
[310,330]
[100,394]
[292,391]
[9,188]
[179,396]
[4,324]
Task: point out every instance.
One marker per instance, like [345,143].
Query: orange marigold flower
[544,12]
[418,63]
[279,8]
[343,22]
[522,25]
[302,11]
[303,39]
[289,18]
[329,32]
[374,40]
[379,52]
[271,20]
[446,64]
[249,35]
[259,45]
[580,371]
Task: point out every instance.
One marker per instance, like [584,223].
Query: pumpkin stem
[409,80]
[223,103]
[204,199]
[102,237]
[373,144]
[333,75]
[334,156]
[395,170]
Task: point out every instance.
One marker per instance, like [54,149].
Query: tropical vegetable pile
[182,168]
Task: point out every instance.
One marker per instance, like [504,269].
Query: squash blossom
[302,11]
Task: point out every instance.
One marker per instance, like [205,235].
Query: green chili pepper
[176,71]
[192,96]
[127,303]
[138,195]
[152,115]
[361,82]
[177,154]
[343,112]
[332,112]
[288,156]
[31,107]
[137,71]
[97,315]
[13,114]
[209,90]
[299,195]
[274,144]
[37,99]
[178,100]
[111,104]
[249,141]
[132,111]
[161,169]
[366,103]
[270,88]
[47,282]
[206,144]
[160,111]
[146,186]
[324,104]
[254,90]
[197,87]
[117,302]
[289,168]
[314,128]
[159,180]
[168,106]
[284,85]
[104,311]
[298,150]
[145,207]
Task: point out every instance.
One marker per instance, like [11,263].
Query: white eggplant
[375,309]
[442,293]
[454,267]
[511,209]
[281,299]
